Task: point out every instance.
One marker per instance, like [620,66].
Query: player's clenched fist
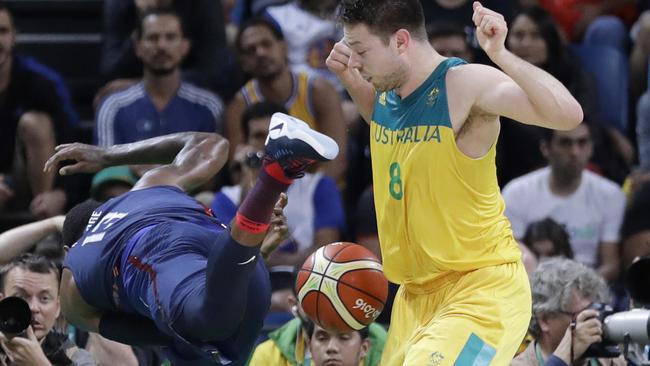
[340,63]
[491,29]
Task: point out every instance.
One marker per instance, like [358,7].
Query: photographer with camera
[35,280]
[565,322]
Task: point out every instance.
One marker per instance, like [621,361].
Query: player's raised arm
[190,158]
[525,92]
[342,62]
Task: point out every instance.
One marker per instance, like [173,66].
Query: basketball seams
[360,290]
[333,305]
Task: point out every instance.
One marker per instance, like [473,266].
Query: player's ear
[402,39]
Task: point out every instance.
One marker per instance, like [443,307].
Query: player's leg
[290,148]
[479,320]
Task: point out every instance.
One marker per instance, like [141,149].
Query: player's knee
[35,127]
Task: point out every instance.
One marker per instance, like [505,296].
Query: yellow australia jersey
[299,103]
[438,210]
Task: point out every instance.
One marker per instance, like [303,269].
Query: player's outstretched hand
[86,159]
[491,29]
[278,230]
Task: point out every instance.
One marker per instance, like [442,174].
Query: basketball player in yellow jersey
[464,298]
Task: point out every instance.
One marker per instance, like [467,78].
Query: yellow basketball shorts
[475,318]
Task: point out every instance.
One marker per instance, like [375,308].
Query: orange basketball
[342,287]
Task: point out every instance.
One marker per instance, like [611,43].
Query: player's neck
[423,61]
[563,185]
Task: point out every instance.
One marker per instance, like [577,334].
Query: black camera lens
[15,315]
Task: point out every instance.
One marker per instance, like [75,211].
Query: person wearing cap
[112,182]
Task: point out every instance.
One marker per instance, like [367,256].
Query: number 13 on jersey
[395,184]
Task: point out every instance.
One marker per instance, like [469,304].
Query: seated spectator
[263,55]
[533,36]
[329,348]
[203,21]
[161,103]
[314,211]
[112,182]
[450,40]
[546,238]
[580,19]
[588,206]
[309,27]
[36,280]
[562,291]
[35,113]
[288,345]
[460,12]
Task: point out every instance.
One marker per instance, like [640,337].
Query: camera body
[606,348]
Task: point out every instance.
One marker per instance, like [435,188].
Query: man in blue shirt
[161,103]
[154,267]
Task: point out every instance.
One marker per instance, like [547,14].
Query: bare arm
[232,128]
[341,61]
[525,92]
[329,115]
[609,261]
[22,238]
[191,158]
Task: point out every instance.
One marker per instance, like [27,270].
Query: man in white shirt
[588,205]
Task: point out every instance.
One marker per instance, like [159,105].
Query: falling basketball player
[153,267]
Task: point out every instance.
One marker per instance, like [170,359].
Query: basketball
[341,287]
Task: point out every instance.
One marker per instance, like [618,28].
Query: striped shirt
[130,115]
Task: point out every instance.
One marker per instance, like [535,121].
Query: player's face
[261,54]
[378,63]
[41,291]
[7,37]
[569,151]
[343,349]
[525,41]
[555,324]
[162,46]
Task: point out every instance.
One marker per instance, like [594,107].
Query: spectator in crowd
[203,21]
[161,103]
[36,280]
[263,55]
[314,211]
[35,112]
[588,20]
[345,349]
[289,346]
[546,238]
[589,206]
[310,31]
[112,182]
[533,36]
[562,292]
[450,40]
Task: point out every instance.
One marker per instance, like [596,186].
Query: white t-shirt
[591,215]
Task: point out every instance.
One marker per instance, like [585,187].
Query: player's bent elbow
[571,117]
